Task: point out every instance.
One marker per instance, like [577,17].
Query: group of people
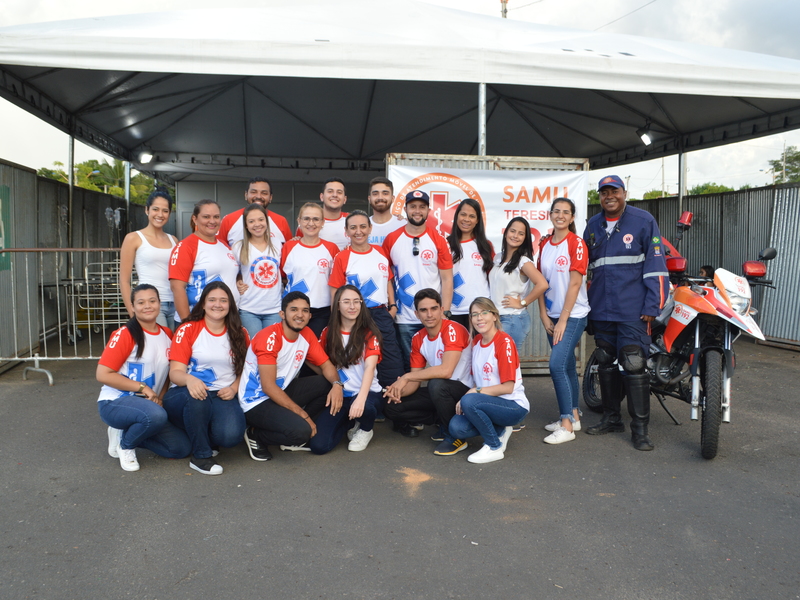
[297,340]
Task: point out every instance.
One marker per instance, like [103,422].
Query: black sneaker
[439,435]
[257,451]
[450,448]
[206,466]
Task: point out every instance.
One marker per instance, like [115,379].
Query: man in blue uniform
[629,285]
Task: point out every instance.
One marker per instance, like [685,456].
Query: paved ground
[589,519]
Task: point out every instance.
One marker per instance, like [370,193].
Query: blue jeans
[406,331]
[209,422]
[486,416]
[518,327]
[167,315]
[255,323]
[563,367]
[144,424]
[331,428]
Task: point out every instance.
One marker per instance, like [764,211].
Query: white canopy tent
[296,88]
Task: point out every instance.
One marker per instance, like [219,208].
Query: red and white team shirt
[308,269]
[413,273]
[198,263]
[497,363]
[381,230]
[556,262]
[469,280]
[332,231]
[207,355]
[231,230]
[151,368]
[263,279]
[270,347]
[368,271]
[452,337]
[352,375]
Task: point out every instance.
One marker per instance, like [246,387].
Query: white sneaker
[576,426]
[352,431]
[114,436]
[360,441]
[127,460]
[486,455]
[559,436]
[302,448]
[505,437]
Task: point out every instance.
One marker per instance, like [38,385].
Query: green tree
[104,177]
[746,186]
[594,197]
[791,156]
[654,194]
[709,188]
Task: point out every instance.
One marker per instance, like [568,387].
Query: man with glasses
[259,189]
[441,355]
[421,259]
[629,285]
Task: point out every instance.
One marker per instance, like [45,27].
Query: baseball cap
[612,180]
[418,195]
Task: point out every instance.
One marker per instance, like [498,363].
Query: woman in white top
[133,370]
[498,401]
[260,272]
[510,280]
[149,250]
[564,309]
[472,259]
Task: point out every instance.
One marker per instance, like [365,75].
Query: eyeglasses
[556,211]
[483,313]
[314,220]
[415,249]
[354,302]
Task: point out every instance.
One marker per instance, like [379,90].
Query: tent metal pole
[71,182]
[128,196]
[482,119]
[681,180]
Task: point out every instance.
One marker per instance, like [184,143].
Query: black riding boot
[637,388]
[611,395]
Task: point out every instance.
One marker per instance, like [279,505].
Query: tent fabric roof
[345,82]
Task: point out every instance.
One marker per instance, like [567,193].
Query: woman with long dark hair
[206,362]
[199,259]
[472,258]
[133,370]
[510,280]
[352,342]
[149,250]
[260,271]
[564,310]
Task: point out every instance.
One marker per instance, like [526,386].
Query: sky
[767,27]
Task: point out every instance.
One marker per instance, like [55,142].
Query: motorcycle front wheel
[712,378]
[591,386]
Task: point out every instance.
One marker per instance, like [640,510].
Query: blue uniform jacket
[628,271]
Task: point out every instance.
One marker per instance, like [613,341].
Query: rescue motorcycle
[691,353]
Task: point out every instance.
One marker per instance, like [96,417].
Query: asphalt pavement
[592,518]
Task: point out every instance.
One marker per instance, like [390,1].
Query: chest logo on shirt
[628,238]
[324,266]
[440,353]
[298,357]
[487,371]
[427,257]
[264,272]
[383,267]
[231,256]
[476,256]
[561,262]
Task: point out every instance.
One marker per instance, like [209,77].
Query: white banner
[502,194]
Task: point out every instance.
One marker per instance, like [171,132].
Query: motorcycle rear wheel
[712,378]
[590,387]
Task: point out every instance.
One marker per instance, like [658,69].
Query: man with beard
[380,198]
[231,230]
[281,409]
[421,259]
[333,198]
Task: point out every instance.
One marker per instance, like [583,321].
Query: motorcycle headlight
[740,304]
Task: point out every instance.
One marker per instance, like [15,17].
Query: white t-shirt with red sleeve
[308,269]
[151,368]
[416,272]
[198,263]
[368,271]
[452,337]
[497,363]
[381,230]
[270,347]
[556,262]
[332,231]
[231,230]
[469,280]
[263,278]
[207,355]
[352,375]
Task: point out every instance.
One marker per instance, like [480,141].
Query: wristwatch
[391,306]
[448,314]
[142,385]
[338,383]
[523,302]
[478,389]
